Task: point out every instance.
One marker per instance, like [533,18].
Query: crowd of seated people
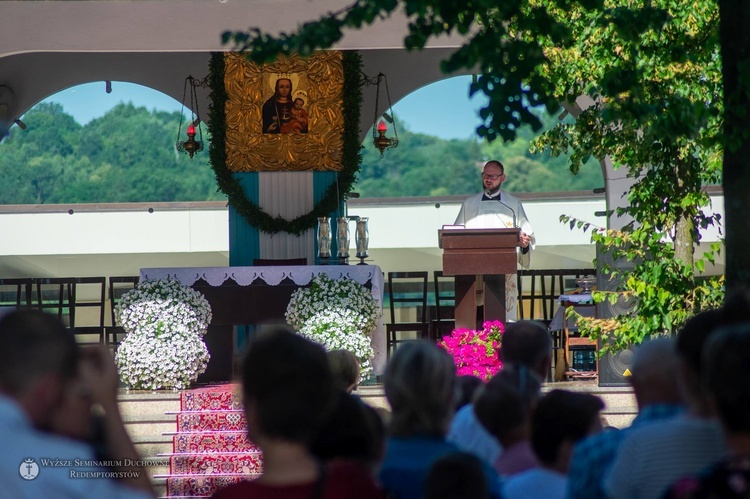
[445,437]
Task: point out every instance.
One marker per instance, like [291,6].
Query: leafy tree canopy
[127,155]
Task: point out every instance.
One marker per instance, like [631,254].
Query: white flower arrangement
[338,314]
[164,348]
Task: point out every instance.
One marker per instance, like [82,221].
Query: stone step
[152,447]
[150,429]
[140,405]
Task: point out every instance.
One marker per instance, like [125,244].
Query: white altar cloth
[300,275]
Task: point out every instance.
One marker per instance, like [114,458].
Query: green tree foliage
[127,155]
[423,165]
[671,151]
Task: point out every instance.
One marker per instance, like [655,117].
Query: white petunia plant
[164,347]
[338,314]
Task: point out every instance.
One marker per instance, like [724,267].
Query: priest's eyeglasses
[491,177]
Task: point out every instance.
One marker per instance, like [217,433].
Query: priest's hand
[524,240]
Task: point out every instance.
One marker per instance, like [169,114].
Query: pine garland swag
[351,159]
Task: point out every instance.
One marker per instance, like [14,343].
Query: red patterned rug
[211,420]
[210,449]
[228,441]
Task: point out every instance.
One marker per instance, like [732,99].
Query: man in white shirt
[654,456]
[41,366]
[495,208]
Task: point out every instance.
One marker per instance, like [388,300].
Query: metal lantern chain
[379,139]
[191,146]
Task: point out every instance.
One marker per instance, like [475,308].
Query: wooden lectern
[468,253]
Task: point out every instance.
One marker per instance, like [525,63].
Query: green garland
[334,195]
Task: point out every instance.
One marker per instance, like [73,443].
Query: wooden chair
[445,304]
[16,292]
[538,293]
[89,308]
[57,296]
[407,289]
[118,286]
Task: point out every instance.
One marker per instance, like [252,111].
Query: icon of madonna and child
[284,111]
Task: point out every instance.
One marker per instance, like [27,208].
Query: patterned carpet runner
[210,447]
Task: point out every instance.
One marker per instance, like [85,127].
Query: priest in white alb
[495,208]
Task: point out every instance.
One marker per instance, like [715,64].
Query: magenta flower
[476,352]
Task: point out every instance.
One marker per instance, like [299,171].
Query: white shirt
[468,434]
[50,460]
[493,214]
[656,455]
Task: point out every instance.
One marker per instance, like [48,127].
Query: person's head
[467,388]
[560,419]
[691,341]
[458,475]
[283,87]
[727,377]
[420,381]
[527,343]
[285,376]
[345,368]
[493,176]
[299,103]
[353,431]
[74,418]
[655,371]
[736,308]
[504,405]
[40,357]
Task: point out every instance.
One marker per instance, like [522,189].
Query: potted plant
[476,352]
[338,314]
[164,347]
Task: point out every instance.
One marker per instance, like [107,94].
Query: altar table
[259,295]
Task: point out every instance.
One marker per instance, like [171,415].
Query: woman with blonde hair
[420,385]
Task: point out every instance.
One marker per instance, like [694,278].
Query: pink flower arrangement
[476,352]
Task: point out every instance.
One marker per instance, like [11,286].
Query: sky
[442,109]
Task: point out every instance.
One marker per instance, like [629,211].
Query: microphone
[515,225]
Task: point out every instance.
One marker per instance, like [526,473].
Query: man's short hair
[34,343]
[287,379]
[505,402]
[562,415]
[526,343]
[693,336]
[496,163]
[458,474]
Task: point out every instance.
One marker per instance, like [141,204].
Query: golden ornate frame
[249,86]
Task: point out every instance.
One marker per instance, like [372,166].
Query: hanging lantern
[381,141]
[190,146]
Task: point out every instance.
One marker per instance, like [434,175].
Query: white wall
[40,241]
